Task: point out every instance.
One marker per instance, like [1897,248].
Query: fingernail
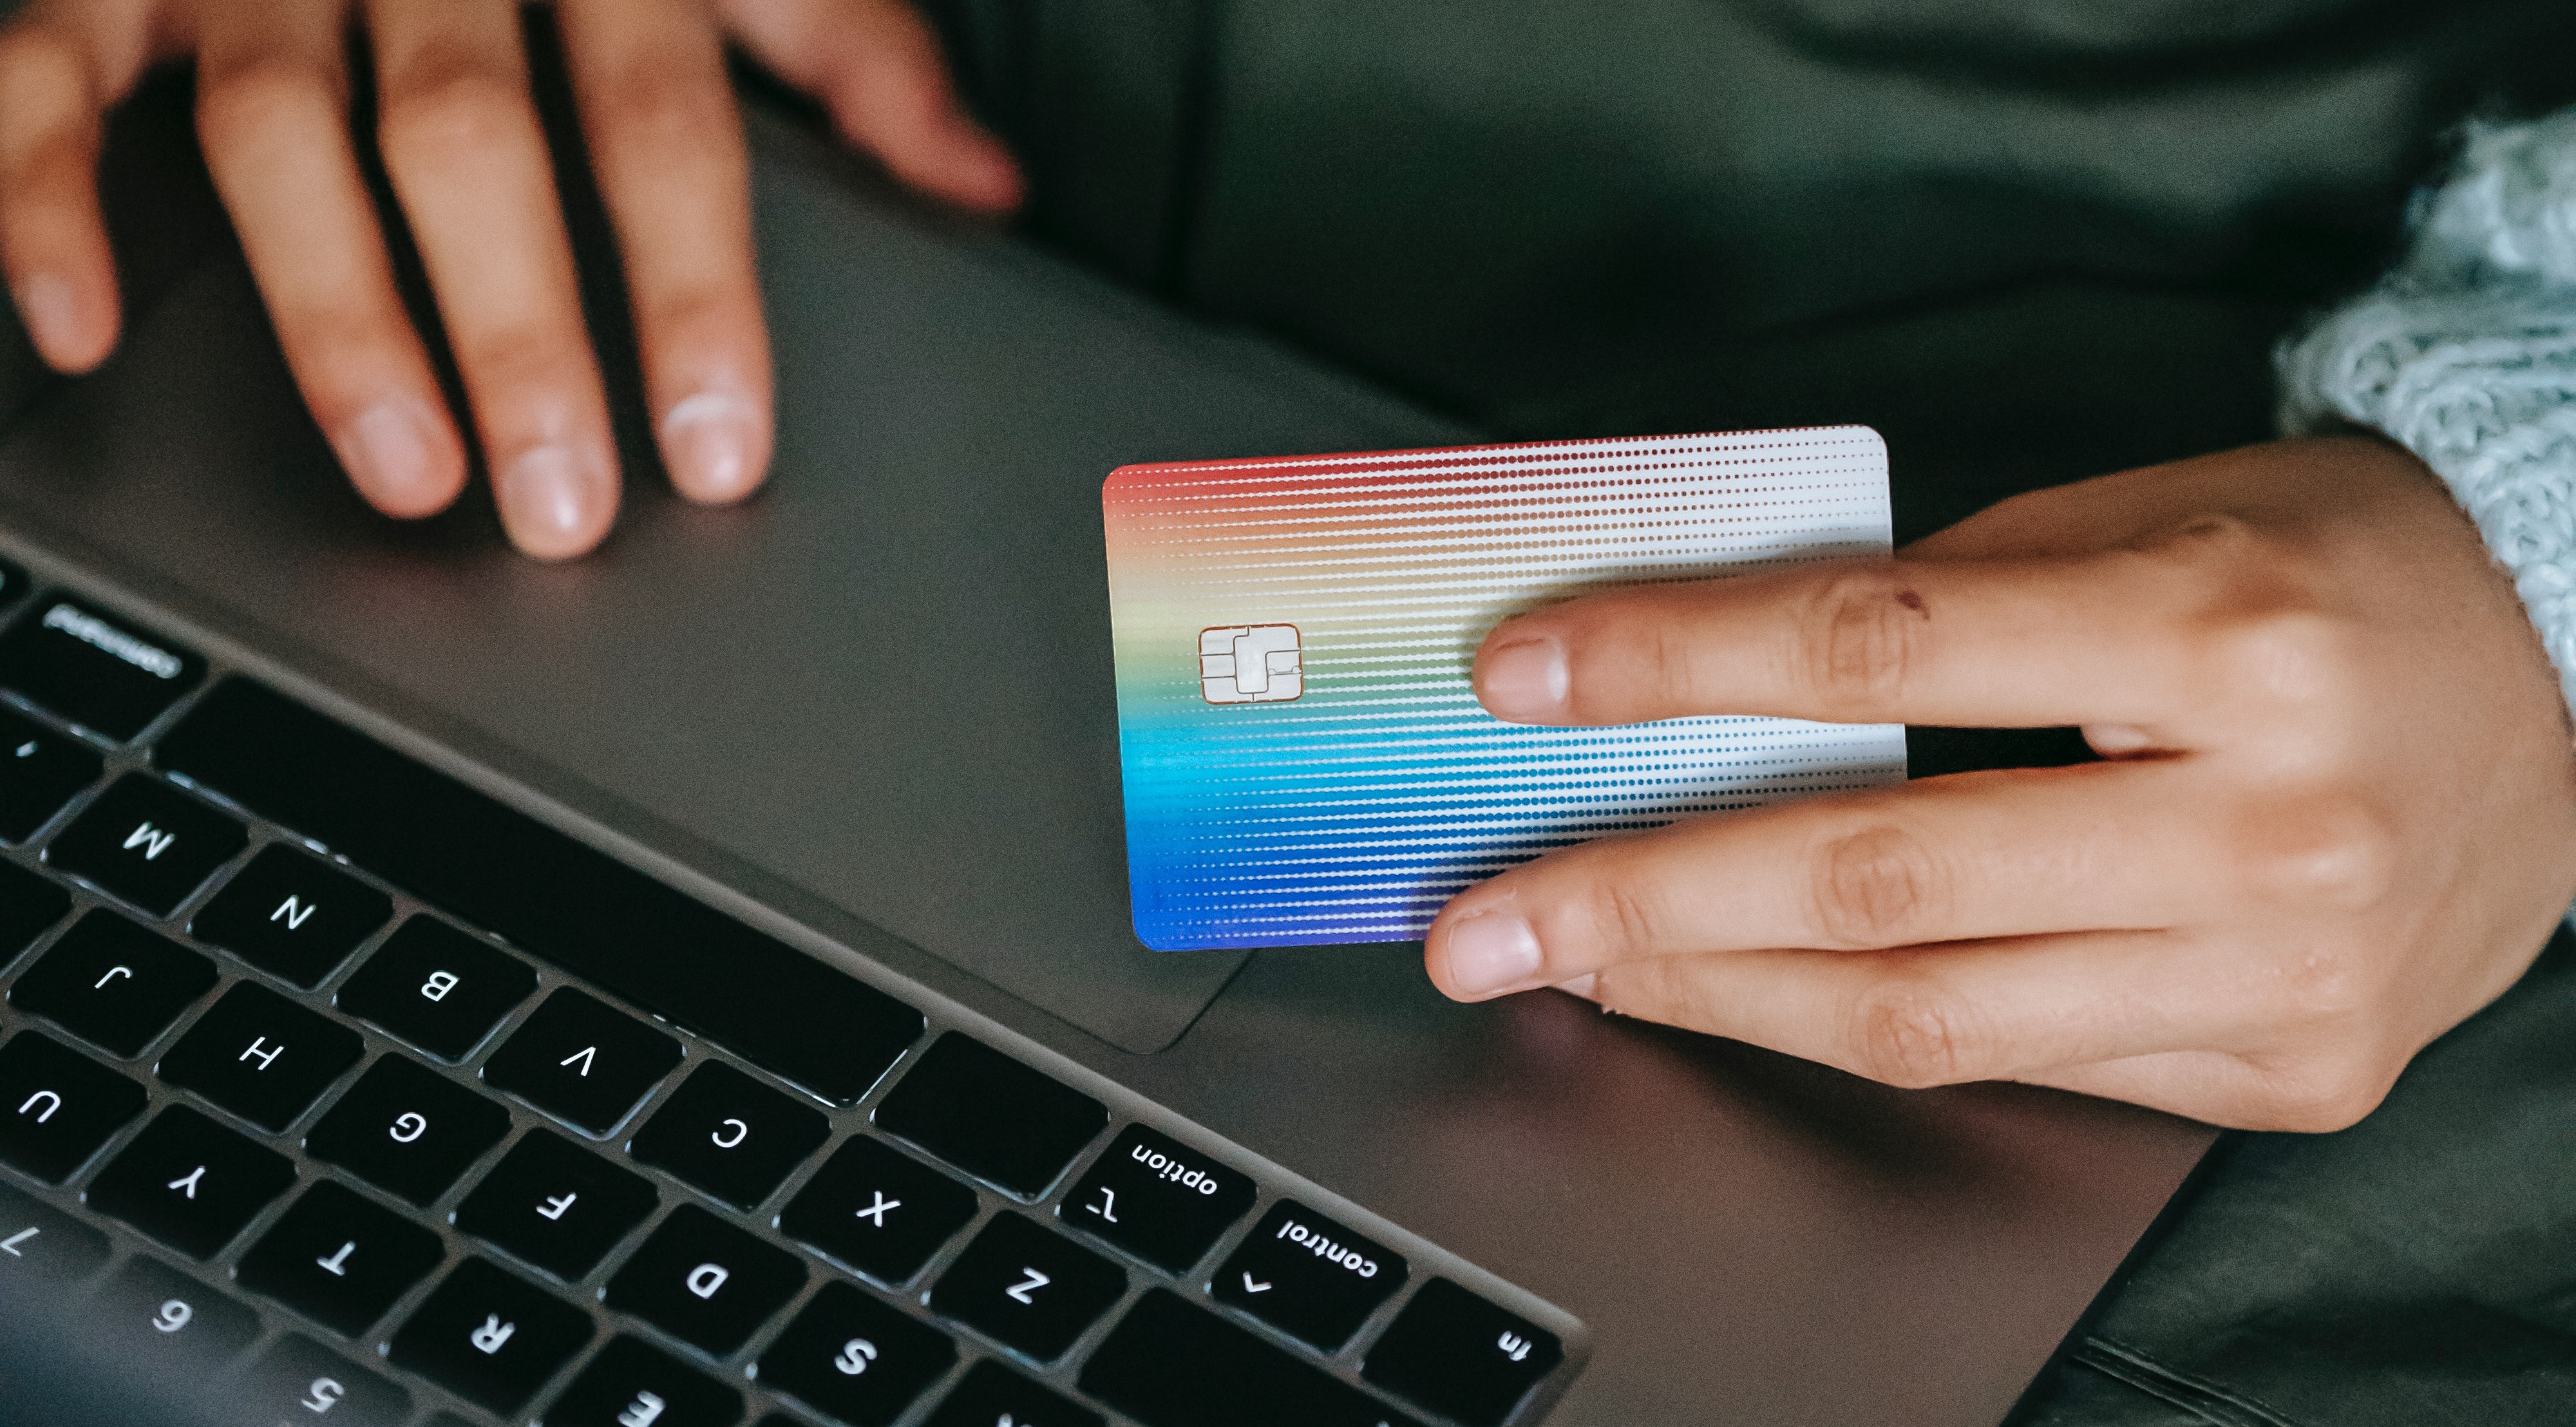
[387,451]
[550,502]
[1490,953]
[707,443]
[51,310]
[1524,681]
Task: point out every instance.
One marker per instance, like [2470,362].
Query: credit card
[1304,759]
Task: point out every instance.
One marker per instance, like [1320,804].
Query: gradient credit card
[1304,760]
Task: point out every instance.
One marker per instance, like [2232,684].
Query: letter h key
[261,1056]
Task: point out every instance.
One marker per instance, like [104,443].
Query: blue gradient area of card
[1304,761]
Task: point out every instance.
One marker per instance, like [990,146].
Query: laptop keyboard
[331,1077]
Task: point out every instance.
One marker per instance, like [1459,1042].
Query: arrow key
[1027,1288]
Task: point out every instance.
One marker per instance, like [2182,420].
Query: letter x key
[875,1213]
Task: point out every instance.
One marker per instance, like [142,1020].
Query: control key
[1308,1276]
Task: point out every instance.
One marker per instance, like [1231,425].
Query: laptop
[695,985]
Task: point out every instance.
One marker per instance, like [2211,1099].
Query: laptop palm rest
[885,681]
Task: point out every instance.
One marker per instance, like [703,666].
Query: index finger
[2021,643]
[53,242]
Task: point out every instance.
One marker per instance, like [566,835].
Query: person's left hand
[458,130]
[2338,813]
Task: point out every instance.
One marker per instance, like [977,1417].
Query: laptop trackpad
[886,680]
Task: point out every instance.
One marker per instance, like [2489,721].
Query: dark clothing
[2030,241]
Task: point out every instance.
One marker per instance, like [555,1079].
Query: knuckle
[2332,851]
[337,328]
[2321,988]
[2292,652]
[1863,633]
[1913,1036]
[659,102]
[443,101]
[2210,543]
[38,59]
[1875,887]
[695,314]
[2257,608]
[1626,912]
[528,360]
[2321,1099]
[246,102]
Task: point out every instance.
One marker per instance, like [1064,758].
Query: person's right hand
[460,139]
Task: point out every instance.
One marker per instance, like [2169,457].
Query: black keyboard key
[113,983]
[878,1210]
[989,1115]
[261,1056]
[28,905]
[992,1394]
[151,1316]
[437,988]
[1168,1364]
[853,1358]
[631,1383]
[1158,1199]
[1307,1276]
[556,1204]
[1027,1287]
[489,1338]
[704,1281]
[298,1380]
[13,582]
[58,1106]
[292,915]
[190,1182]
[339,1258]
[407,1130]
[1456,1354]
[41,1244]
[40,770]
[147,842]
[576,1058]
[100,673]
[730,1135]
[566,901]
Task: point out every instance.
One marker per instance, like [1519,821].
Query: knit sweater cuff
[2466,355]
